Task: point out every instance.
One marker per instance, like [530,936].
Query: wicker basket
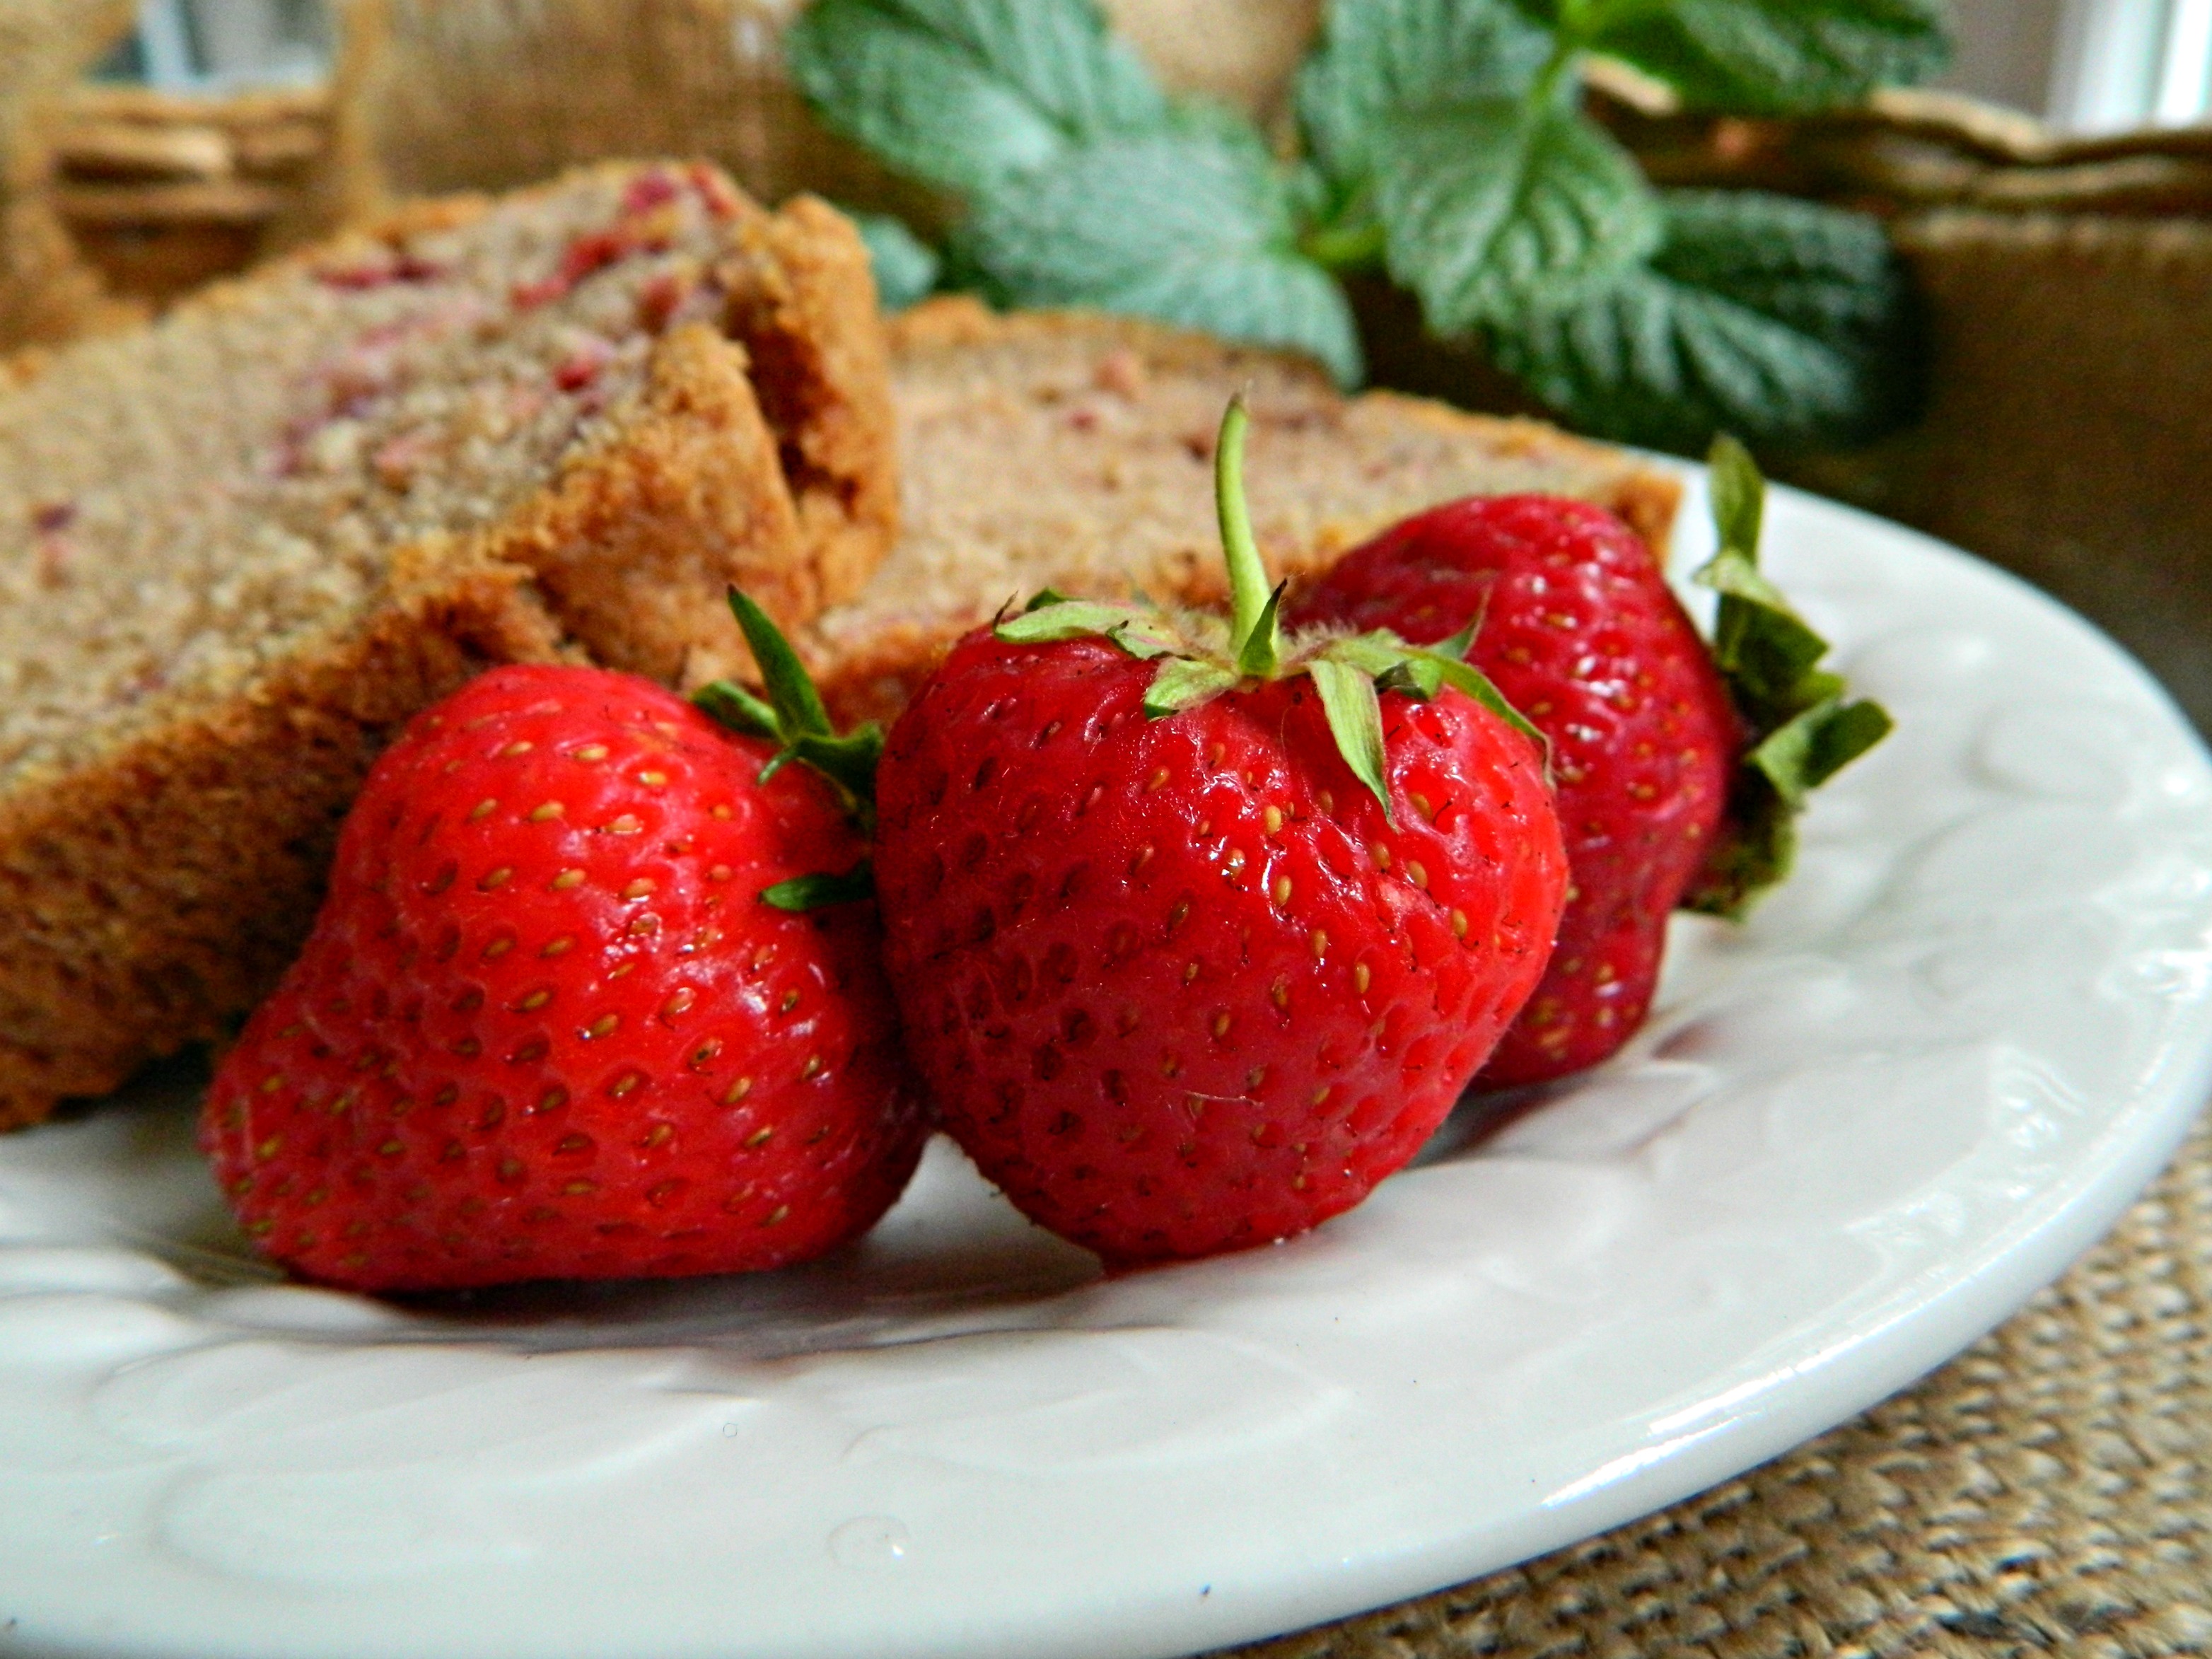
[46,293]
[161,192]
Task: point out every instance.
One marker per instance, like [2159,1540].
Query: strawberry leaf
[964,93]
[1758,838]
[1184,683]
[1802,730]
[1261,652]
[1355,719]
[1144,638]
[817,892]
[1800,757]
[1465,677]
[850,760]
[1764,650]
[1422,672]
[727,703]
[1493,205]
[1064,619]
[1754,851]
[1461,643]
[1738,494]
[791,692]
[1373,654]
[793,717]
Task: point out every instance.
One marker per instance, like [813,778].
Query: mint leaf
[1785,321]
[905,267]
[1763,57]
[1377,59]
[1196,225]
[1493,205]
[962,93]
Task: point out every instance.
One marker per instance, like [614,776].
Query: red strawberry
[1574,622]
[548,1027]
[1578,629]
[1177,980]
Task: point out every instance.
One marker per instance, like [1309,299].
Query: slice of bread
[1075,451]
[238,550]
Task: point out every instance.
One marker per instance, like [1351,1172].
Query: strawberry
[555,1019]
[1571,616]
[1198,935]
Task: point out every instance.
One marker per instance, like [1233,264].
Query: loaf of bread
[1075,451]
[239,549]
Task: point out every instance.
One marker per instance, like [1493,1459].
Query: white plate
[1857,1133]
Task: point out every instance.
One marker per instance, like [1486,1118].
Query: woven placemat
[2050,1491]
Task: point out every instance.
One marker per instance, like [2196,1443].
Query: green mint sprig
[1440,141]
[1193,223]
[1755,313]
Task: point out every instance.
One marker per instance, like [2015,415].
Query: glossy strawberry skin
[546,1028]
[1580,632]
[1173,983]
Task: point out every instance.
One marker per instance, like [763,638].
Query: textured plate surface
[1857,1132]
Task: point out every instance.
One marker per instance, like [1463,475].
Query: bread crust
[149,897]
[145,900]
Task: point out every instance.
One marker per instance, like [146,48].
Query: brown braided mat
[2050,1491]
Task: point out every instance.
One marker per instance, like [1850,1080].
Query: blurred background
[2086,66]
[2051,196]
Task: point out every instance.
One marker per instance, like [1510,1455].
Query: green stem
[1342,249]
[1248,578]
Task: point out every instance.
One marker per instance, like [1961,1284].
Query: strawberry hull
[1174,984]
